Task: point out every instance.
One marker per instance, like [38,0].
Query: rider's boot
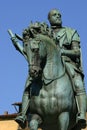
[81,117]
[21,119]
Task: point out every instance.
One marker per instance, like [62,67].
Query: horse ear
[32,34]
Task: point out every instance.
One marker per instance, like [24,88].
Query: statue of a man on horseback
[69,42]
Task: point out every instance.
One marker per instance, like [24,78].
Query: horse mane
[40,31]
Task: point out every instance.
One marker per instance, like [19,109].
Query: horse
[52,99]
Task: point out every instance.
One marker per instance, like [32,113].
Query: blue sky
[17,15]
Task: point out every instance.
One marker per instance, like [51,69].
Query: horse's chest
[45,102]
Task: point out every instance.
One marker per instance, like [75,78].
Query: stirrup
[21,121]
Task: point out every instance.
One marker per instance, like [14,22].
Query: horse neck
[54,66]
[54,59]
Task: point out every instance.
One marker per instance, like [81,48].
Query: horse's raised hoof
[21,121]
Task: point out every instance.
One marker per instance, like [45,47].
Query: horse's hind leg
[35,122]
[63,121]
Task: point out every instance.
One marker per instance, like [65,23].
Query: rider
[69,42]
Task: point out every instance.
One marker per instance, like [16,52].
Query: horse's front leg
[35,122]
[63,121]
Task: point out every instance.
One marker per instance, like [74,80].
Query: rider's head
[54,17]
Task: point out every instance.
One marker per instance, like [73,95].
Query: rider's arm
[74,52]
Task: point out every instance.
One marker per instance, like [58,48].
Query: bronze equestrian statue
[46,97]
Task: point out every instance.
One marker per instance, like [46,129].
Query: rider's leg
[21,118]
[81,100]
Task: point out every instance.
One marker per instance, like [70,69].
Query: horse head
[43,55]
[34,58]
[44,58]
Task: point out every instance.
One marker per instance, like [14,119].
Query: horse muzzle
[35,71]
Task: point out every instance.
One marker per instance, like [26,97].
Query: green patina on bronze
[54,94]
